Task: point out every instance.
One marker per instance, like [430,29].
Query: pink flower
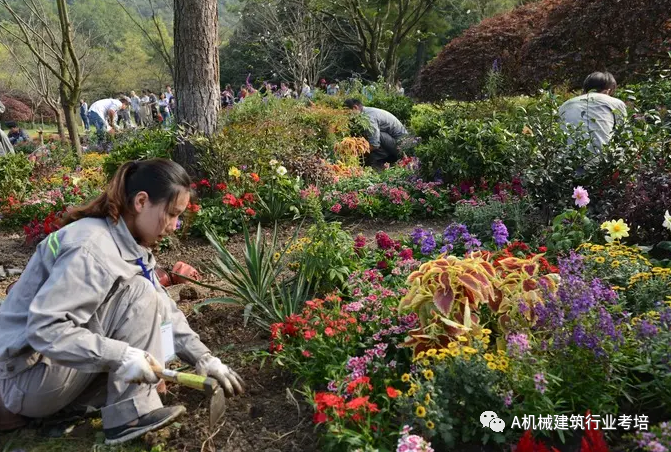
[581,196]
[336,208]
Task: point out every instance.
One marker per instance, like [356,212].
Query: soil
[272,415]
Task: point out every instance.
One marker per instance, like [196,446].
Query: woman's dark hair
[599,81]
[351,103]
[162,179]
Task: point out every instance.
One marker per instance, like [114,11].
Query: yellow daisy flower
[486,331]
[491,366]
[462,339]
[420,411]
[405,378]
[431,352]
[430,425]
[428,374]
[488,357]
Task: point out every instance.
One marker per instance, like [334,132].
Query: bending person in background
[385,131]
[16,134]
[103,114]
[595,112]
[90,305]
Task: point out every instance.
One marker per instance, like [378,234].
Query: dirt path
[270,417]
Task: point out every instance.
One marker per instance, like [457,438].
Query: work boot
[9,420]
[150,421]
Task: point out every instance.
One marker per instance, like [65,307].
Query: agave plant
[259,283]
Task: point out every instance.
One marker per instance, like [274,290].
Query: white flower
[667,221]
[273,162]
[281,170]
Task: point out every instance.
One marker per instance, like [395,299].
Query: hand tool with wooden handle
[208,385]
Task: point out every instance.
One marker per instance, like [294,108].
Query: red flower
[232,200]
[360,241]
[329,331]
[307,353]
[193,207]
[255,177]
[248,197]
[289,329]
[205,183]
[221,186]
[542,249]
[382,265]
[384,242]
[319,418]
[392,393]
[336,208]
[250,212]
[193,186]
[365,381]
[405,254]
[357,403]
[309,334]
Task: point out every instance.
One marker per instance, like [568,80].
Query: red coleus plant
[37,230]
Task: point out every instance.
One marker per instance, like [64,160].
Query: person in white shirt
[102,113]
[595,113]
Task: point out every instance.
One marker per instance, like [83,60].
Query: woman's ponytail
[162,179]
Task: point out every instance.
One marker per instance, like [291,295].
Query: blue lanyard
[147,273]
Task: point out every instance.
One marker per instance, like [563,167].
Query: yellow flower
[425,362]
[599,260]
[485,340]
[615,264]
[452,345]
[411,392]
[470,350]
[431,352]
[405,378]
[454,352]
[616,229]
[420,411]
[502,368]
[428,374]
[233,171]
[462,339]
[427,399]
[501,352]
[491,366]
[486,331]
[420,355]
[488,357]
[430,425]
[276,256]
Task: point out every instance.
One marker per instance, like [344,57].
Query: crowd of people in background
[115,113]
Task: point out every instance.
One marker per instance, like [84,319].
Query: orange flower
[393,393]
[255,177]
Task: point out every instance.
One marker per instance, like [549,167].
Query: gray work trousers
[133,315]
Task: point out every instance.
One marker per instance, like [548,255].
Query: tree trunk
[70,114]
[60,121]
[196,72]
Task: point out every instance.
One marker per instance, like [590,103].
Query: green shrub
[15,172]
[516,213]
[471,149]
[141,145]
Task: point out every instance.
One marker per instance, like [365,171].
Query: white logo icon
[491,419]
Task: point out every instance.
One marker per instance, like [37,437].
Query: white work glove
[212,367]
[136,367]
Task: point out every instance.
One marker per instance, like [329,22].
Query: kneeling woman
[89,305]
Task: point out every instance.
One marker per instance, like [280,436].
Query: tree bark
[197,89]
[60,122]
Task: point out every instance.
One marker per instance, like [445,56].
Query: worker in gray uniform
[89,303]
[383,136]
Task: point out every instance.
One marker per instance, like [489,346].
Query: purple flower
[518,344]
[471,242]
[540,382]
[646,330]
[428,244]
[499,233]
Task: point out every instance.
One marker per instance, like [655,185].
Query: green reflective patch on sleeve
[54,244]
